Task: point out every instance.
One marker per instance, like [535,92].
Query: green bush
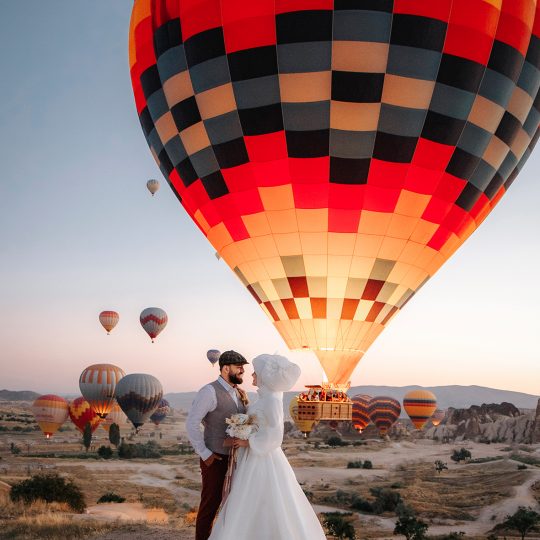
[521,467]
[354,465]
[149,450]
[111,497]
[49,488]
[460,455]
[362,505]
[336,441]
[105,452]
[367,464]
[386,500]
[338,525]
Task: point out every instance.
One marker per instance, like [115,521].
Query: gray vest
[214,421]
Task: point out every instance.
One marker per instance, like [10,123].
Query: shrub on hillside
[149,450]
[110,497]
[49,488]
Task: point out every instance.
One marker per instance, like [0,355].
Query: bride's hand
[240,443]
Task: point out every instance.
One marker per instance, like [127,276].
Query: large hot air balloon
[336,153]
[437,417]
[419,405]
[97,384]
[81,414]
[50,412]
[162,411]
[153,320]
[383,412]
[305,426]
[152,186]
[138,395]
[360,412]
[213,356]
[109,319]
[115,416]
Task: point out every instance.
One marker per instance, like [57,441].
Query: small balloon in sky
[213,356]
[153,320]
[153,186]
[109,319]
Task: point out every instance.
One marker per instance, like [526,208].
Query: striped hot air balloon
[97,384]
[50,412]
[81,414]
[360,411]
[336,153]
[163,410]
[152,186]
[383,412]
[213,356]
[109,319]
[437,417]
[139,395]
[115,416]
[153,320]
[419,405]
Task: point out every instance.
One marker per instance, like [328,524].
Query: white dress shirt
[205,401]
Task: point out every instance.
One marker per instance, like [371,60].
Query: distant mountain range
[18,395]
[447,396]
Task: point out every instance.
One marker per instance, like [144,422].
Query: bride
[266,502]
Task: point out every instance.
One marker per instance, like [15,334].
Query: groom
[212,405]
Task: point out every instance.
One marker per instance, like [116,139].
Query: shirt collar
[226,385]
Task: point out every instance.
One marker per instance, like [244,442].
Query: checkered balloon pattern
[336,152]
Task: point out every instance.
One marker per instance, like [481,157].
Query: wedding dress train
[266,502]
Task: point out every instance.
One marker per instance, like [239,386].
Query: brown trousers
[213,478]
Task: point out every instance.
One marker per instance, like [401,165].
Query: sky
[79,233]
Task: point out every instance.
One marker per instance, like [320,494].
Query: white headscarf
[276,373]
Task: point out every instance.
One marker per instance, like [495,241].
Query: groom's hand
[211,459]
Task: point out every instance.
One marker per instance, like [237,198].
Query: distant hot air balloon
[50,412]
[360,412]
[81,414]
[109,319]
[305,426]
[153,320]
[335,154]
[139,395]
[115,416]
[383,412]
[97,384]
[419,405]
[162,411]
[153,186]
[437,417]
[213,356]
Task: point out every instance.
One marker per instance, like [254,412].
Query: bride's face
[254,375]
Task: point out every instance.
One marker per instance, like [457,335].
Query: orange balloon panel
[419,405]
[335,155]
[50,412]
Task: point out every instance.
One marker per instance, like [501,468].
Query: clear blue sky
[79,233]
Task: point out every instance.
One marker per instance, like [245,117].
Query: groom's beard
[235,379]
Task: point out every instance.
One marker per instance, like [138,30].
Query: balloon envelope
[115,416]
[50,412]
[138,395]
[81,414]
[152,186]
[153,320]
[213,356]
[360,411]
[336,156]
[383,412]
[437,417]
[98,384]
[109,319]
[162,411]
[419,405]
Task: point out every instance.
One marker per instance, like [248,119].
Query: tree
[338,525]
[440,466]
[460,455]
[524,520]
[87,436]
[114,435]
[408,525]
[105,452]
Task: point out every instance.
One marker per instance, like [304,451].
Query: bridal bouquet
[239,426]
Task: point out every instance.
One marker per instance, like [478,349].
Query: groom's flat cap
[231,357]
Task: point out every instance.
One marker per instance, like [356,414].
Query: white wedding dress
[266,502]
